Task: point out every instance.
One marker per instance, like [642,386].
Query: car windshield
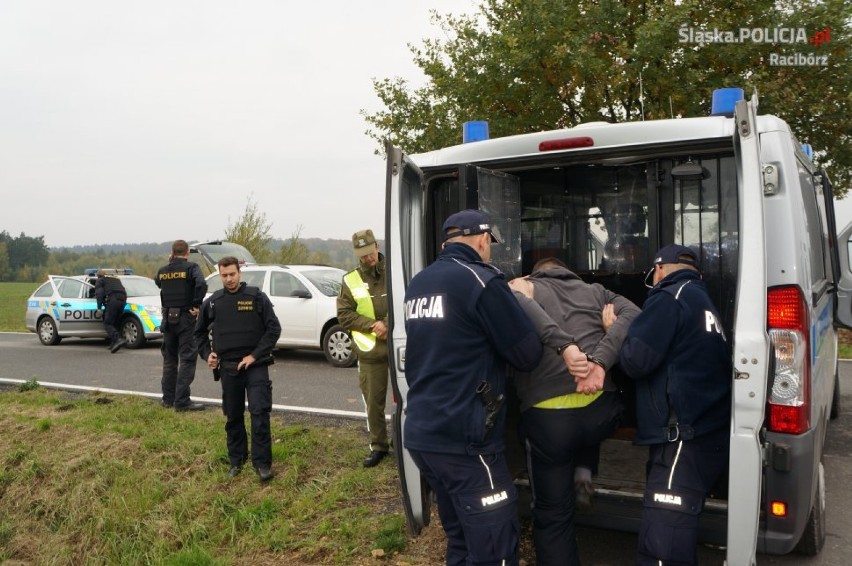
[140,287]
[326,280]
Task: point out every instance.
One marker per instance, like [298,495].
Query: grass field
[99,479]
[13,302]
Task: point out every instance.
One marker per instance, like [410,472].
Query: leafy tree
[5,270]
[533,65]
[294,251]
[24,251]
[251,231]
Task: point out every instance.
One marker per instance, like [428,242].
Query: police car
[741,191]
[65,307]
[305,301]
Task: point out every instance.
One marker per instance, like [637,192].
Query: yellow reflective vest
[363,306]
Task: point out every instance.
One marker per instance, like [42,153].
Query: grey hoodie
[576,307]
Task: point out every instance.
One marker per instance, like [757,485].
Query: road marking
[206,401]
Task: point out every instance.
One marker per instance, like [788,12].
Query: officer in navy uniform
[111,296]
[677,353]
[245,331]
[182,289]
[463,325]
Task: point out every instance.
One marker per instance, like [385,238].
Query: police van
[737,188]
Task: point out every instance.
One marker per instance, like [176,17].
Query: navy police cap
[468,223]
[674,253]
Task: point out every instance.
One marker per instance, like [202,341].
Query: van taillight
[789,401]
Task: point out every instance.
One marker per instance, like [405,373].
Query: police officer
[244,335]
[677,353]
[111,296]
[182,289]
[362,309]
[463,326]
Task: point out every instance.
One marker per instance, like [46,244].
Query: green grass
[126,482]
[13,305]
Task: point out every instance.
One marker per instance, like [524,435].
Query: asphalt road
[304,381]
[301,379]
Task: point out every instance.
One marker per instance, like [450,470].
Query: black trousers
[680,475]
[180,356]
[478,506]
[112,318]
[252,384]
[556,440]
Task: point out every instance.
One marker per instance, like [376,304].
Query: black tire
[132,332]
[47,333]
[813,538]
[835,401]
[337,347]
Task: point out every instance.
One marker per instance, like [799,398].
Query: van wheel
[132,332]
[835,401]
[813,538]
[337,347]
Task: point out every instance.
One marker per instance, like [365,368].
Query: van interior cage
[605,221]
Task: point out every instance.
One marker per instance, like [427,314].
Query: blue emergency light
[725,100]
[809,151]
[474,131]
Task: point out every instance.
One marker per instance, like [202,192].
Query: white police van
[744,194]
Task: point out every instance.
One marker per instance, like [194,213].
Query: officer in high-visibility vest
[362,309]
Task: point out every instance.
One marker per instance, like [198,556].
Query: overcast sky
[129,122]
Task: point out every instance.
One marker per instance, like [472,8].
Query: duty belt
[229,365]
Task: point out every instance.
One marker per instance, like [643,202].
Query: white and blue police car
[65,307]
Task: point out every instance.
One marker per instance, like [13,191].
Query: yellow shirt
[569,401]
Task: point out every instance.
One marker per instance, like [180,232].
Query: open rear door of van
[404,234]
[844,277]
[750,347]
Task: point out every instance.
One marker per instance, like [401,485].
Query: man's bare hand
[576,361]
[213,360]
[594,380]
[380,330]
[245,362]
[522,285]
[608,316]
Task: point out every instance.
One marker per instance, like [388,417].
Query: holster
[492,404]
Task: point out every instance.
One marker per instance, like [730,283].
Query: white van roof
[601,134]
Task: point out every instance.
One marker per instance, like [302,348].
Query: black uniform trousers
[180,355]
[252,384]
[554,439]
[478,506]
[680,475]
[113,309]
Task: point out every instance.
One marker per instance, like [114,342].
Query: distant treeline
[27,259]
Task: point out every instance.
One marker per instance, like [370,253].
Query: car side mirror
[301,294]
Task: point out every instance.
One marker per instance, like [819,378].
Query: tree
[294,251]
[5,270]
[24,251]
[251,231]
[533,65]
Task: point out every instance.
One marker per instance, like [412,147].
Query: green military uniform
[364,290]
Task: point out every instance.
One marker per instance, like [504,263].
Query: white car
[65,306]
[305,301]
